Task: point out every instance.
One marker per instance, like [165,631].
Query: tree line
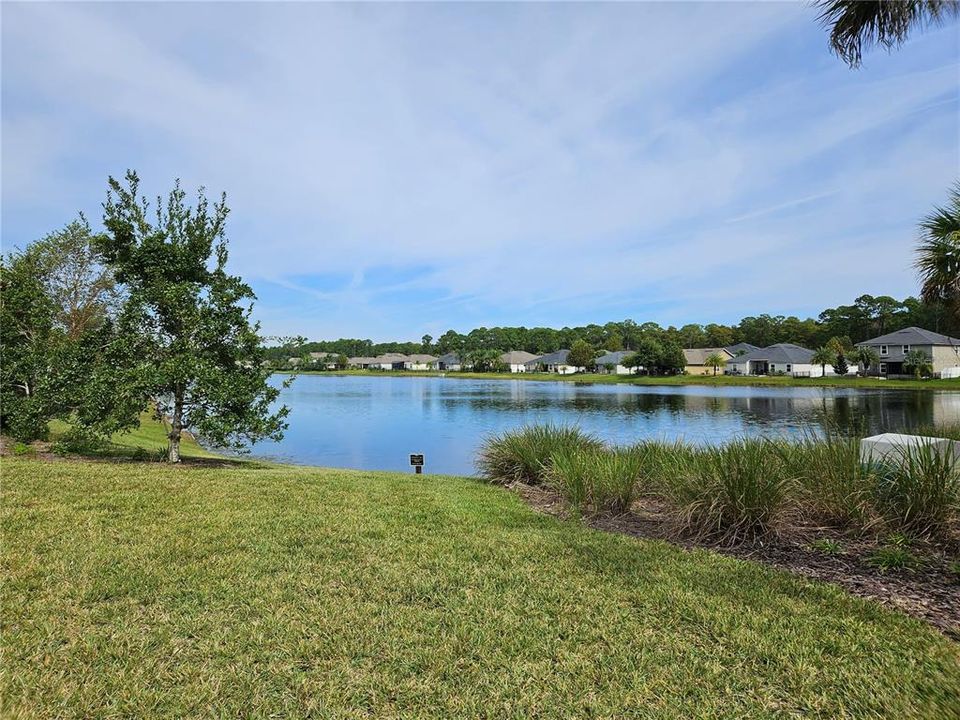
[98,328]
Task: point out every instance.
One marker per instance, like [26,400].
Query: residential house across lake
[695,360]
[555,362]
[943,351]
[450,362]
[780,359]
[516,360]
[611,363]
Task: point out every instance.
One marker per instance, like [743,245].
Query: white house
[451,362]
[555,362]
[612,363]
[419,362]
[516,360]
[780,359]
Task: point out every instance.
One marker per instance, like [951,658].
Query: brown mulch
[930,593]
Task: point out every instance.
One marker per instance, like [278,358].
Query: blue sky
[396,170]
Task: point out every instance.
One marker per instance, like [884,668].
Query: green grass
[722,380]
[140,590]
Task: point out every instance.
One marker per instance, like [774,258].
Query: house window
[883,350]
[905,349]
[883,368]
[788,368]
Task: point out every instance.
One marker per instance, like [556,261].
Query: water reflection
[376,422]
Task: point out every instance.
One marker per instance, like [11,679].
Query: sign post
[417,462]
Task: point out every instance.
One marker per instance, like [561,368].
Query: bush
[835,487]
[920,493]
[524,455]
[79,441]
[733,492]
[599,480]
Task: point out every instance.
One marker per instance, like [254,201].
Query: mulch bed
[930,593]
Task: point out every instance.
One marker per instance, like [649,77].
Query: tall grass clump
[919,491]
[835,487]
[524,455]
[598,480]
[732,492]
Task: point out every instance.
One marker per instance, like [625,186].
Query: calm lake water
[376,422]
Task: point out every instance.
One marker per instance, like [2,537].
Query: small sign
[416,460]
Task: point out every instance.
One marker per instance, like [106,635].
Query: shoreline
[669,380]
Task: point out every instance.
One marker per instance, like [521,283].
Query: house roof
[698,356]
[420,358]
[449,359]
[779,353]
[517,357]
[912,336]
[741,346]
[361,360]
[555,358]
[613,358]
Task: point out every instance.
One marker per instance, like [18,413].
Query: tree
[484,360]
[840,365]
[866,357]
[425,342]
[715,361]
[917,362]
[858,24]
[938,257]
[199,356]
[61,356]
[342,361]
[581,354]
[614,342]
[632,361]
[672,359]
[648,354]
[822,356]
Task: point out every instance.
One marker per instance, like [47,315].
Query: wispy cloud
[512,163]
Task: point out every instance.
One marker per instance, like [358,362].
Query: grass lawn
[140,590]
[721,380]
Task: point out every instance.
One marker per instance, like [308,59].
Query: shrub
[734,492]
[827,546]
[893,554]
[80,441]
[919,494]
[834,485]
[523,455]
[603,481]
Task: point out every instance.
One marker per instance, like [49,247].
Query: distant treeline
[867,317]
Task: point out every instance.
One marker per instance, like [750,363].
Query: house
[612,363]
[516,360]
[695,360]
[360,363]
[388,361]
[451,362]
[555,362]
[779,359]
[741,348]
[419,362]
[943,351]
[329,360]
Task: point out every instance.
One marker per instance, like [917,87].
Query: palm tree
[866,357]
[855,24]
[918,362]
[716,361]
[938,256]
[822,357]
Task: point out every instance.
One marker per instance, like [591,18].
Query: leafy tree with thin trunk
[866,357]
[938,257]
[581,354]
[823,356]
[715,361]
[918,362]
[858,24]
[200,358]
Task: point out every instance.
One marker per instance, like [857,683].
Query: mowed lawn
[138,590]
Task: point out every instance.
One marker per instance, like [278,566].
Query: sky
[401,169]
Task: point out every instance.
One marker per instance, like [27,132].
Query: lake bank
[669,380]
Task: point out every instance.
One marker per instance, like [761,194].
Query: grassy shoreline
[674,380]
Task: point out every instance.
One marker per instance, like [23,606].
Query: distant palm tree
[823,356]
[866,357]
[716,361]
[938,256]
[918,362]
[856,24]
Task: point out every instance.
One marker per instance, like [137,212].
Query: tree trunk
[176,428]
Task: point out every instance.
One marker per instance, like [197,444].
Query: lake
[375,422]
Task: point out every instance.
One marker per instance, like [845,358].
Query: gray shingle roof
[517,357]
[613,358]
[449,359]
[555,358]
[912,336]
[744,346]
[779,353]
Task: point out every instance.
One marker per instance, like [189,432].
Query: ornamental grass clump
[834,486]
[601,481]
[524,455]
[919,491]
[733,492]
